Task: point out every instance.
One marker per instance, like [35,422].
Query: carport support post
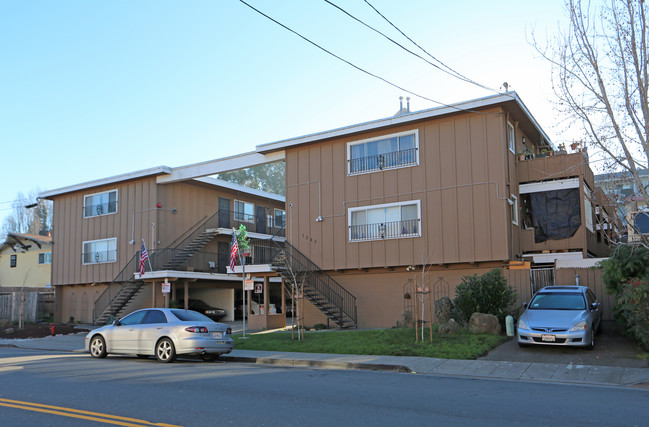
[266,300]
[186,299]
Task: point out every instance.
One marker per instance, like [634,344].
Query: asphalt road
[611,349]
[130,391]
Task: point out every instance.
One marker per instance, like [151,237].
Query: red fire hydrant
[52,329]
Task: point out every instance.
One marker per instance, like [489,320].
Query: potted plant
[562,149]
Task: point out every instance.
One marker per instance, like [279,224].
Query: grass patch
[383,342]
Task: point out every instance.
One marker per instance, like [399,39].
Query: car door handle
[131,329]
[160,327]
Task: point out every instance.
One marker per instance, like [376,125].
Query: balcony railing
[99,209]
[384,230]
[99,257]
[253,223]
[383,161]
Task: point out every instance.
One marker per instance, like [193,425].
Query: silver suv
[560,315]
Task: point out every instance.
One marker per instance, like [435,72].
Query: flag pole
[148,258]
[242,261]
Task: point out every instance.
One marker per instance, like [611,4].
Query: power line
[451,72]
[356,66]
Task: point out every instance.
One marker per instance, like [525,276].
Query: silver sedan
[560,315]
[163,332]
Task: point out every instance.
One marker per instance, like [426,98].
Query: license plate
[220,335]
[548,338]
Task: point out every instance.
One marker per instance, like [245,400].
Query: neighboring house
[457,190]
[25,270]
[624,194]
[99,230]
[25,261]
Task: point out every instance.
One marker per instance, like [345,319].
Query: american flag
[144,255]
[233,251]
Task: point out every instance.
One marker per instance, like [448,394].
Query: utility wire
[450,71]
[356,66]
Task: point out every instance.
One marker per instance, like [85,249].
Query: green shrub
[632,311]
[488,294]
[627,262]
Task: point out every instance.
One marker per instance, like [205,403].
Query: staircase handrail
[323,283]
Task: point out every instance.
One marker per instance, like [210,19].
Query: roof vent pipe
[408,104]
[401,103]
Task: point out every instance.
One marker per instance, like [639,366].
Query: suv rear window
[190,316]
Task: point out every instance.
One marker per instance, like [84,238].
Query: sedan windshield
[558,301]
[190,315]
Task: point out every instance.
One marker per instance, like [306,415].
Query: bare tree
[29,215]
[600,75]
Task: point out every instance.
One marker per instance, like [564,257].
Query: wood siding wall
[194,203]
[461,181]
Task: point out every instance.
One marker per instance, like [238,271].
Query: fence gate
[540,278]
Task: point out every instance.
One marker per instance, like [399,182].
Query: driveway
[611,349]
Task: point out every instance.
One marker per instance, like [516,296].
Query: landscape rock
[443,310]
[448,327]
[481,323]
[9,331]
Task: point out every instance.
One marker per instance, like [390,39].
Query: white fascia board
[105,181]
[241,188]
[552,257]
[406,118]
[578,263]
[224,164]
[537,187]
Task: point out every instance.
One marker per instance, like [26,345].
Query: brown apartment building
[459,189]
[455,190]
[99,228]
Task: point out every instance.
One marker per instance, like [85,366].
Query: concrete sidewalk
[526,371]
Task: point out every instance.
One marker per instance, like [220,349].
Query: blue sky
[95,89]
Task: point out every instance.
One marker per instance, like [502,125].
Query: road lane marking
[25,359]
[78,413]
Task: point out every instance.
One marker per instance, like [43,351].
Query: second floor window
[394,151]
[13,260]
[100,204]
[280,218]
[511,137]
[244,211]
[45,258]
[100,251]
[389,221]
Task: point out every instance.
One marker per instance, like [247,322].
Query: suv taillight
[197,329]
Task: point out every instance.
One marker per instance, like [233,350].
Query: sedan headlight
[522,324]
[581,326]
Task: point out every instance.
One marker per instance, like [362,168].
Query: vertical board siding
[591,277]
[460,182]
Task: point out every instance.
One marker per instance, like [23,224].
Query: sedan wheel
[98,347]
[592,340]
[165,351]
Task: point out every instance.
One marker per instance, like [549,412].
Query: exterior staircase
[108,305]
[334,301]
[181,256]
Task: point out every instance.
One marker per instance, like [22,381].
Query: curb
[317,364]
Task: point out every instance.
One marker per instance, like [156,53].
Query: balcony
[254,224]
[556,167]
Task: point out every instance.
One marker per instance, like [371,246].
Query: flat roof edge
[105,181]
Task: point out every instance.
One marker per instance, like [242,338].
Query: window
[511,137]
[394,151]
[12,261]
[514,205]
[280,218]
[244,211]
[388,221]
[45,258]
[588,208]
[100,204]
[100,251]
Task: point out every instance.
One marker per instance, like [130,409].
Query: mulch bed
[40,330]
